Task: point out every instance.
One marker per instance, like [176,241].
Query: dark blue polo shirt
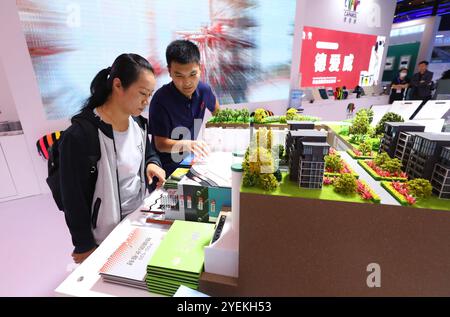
[170,109]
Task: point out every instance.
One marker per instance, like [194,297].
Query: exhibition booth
[314,185]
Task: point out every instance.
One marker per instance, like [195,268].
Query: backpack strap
[46,142]
[92,142]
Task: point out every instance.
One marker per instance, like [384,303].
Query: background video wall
[246,45]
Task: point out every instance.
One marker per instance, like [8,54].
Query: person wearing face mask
[399,85]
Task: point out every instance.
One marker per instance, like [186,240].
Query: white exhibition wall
[23,88]
[7,108]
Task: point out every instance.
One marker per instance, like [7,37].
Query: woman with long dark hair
[96,197]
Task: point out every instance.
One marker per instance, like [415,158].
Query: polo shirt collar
[183,97]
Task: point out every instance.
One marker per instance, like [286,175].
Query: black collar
[106,128]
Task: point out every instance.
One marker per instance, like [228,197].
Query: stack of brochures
[179,259]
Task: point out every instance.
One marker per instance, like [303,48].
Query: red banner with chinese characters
[334,58]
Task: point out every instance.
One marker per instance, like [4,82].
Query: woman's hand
[80,257]
[154,170]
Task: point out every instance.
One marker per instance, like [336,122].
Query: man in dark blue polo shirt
[177,109]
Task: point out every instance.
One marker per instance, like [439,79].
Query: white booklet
[184,291]
[128,263]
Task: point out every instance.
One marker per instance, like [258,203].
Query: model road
[385,197]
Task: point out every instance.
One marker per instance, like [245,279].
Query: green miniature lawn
[337,128]
[269,123]
[429,203]
[433,203]
[291,189]
[228,122]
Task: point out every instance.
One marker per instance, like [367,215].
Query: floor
[35,247]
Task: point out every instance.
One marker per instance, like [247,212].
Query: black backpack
[53,179]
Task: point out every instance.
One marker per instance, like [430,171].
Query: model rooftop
[435,137]
[413,133]
[315,144]
[401,124]
[299,122]
[303,133]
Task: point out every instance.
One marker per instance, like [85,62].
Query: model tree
[278,175]
[360,126]
[385,163]
[392,165]
[381,158]
[333,163]
[281,151]
[241,115]
[420,188]
[259,169]
[259,163]
[249,179]
[231,116]
[368,112]
[388,117]
[365,148]
[268,182]
[291,114]
[345,184]
[260,115]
